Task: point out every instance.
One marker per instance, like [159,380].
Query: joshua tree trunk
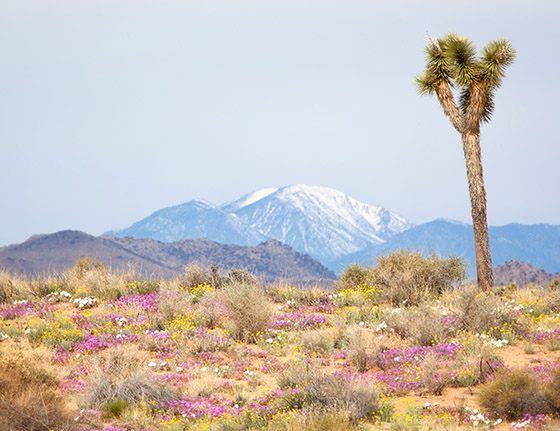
[452,63]
[471,148]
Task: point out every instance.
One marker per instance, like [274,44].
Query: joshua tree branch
[450,108]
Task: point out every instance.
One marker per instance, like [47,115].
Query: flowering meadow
[94,350]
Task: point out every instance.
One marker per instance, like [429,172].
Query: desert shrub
[362,348]
[330,392]
[28,398]
[354,275]
[481,312]
[116,408]
[243,310]
[421,325]
[120,381]
[514,393]
[408,278]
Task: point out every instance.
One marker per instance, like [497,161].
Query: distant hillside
[272,260]
[522,273]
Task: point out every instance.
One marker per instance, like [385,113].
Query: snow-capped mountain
[191,220]
[320,221]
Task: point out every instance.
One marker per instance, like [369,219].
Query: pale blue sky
[112,109]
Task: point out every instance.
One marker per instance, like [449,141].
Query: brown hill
[272,260]
[522,273]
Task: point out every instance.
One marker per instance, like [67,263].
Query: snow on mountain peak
[248,199]
[320,221]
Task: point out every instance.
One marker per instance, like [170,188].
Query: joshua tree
[452,62]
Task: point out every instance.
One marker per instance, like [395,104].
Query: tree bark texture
[450,108]
[471,148]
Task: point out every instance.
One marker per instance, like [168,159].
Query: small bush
[362,348]
[422,326]
[409,278]
[354,275]
[513,394]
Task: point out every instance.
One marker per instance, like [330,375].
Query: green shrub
[116,408]
[513,394]
[408,278]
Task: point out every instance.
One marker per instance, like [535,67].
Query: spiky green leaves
[425,83]
[461,54]
[496,56]
[451,61]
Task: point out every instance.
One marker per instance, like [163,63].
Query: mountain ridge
[322,222]
[55,252]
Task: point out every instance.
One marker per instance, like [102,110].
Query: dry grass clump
[16,287]
[330,393]
[362,348]
[28,398]
[119,379]
[408,278]
[243,310]
[7,288]
[515,393]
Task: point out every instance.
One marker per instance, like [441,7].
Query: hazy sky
[112,109]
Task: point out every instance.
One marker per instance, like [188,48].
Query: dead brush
[435,375]
[28,398]
[330,392]
[119,378]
